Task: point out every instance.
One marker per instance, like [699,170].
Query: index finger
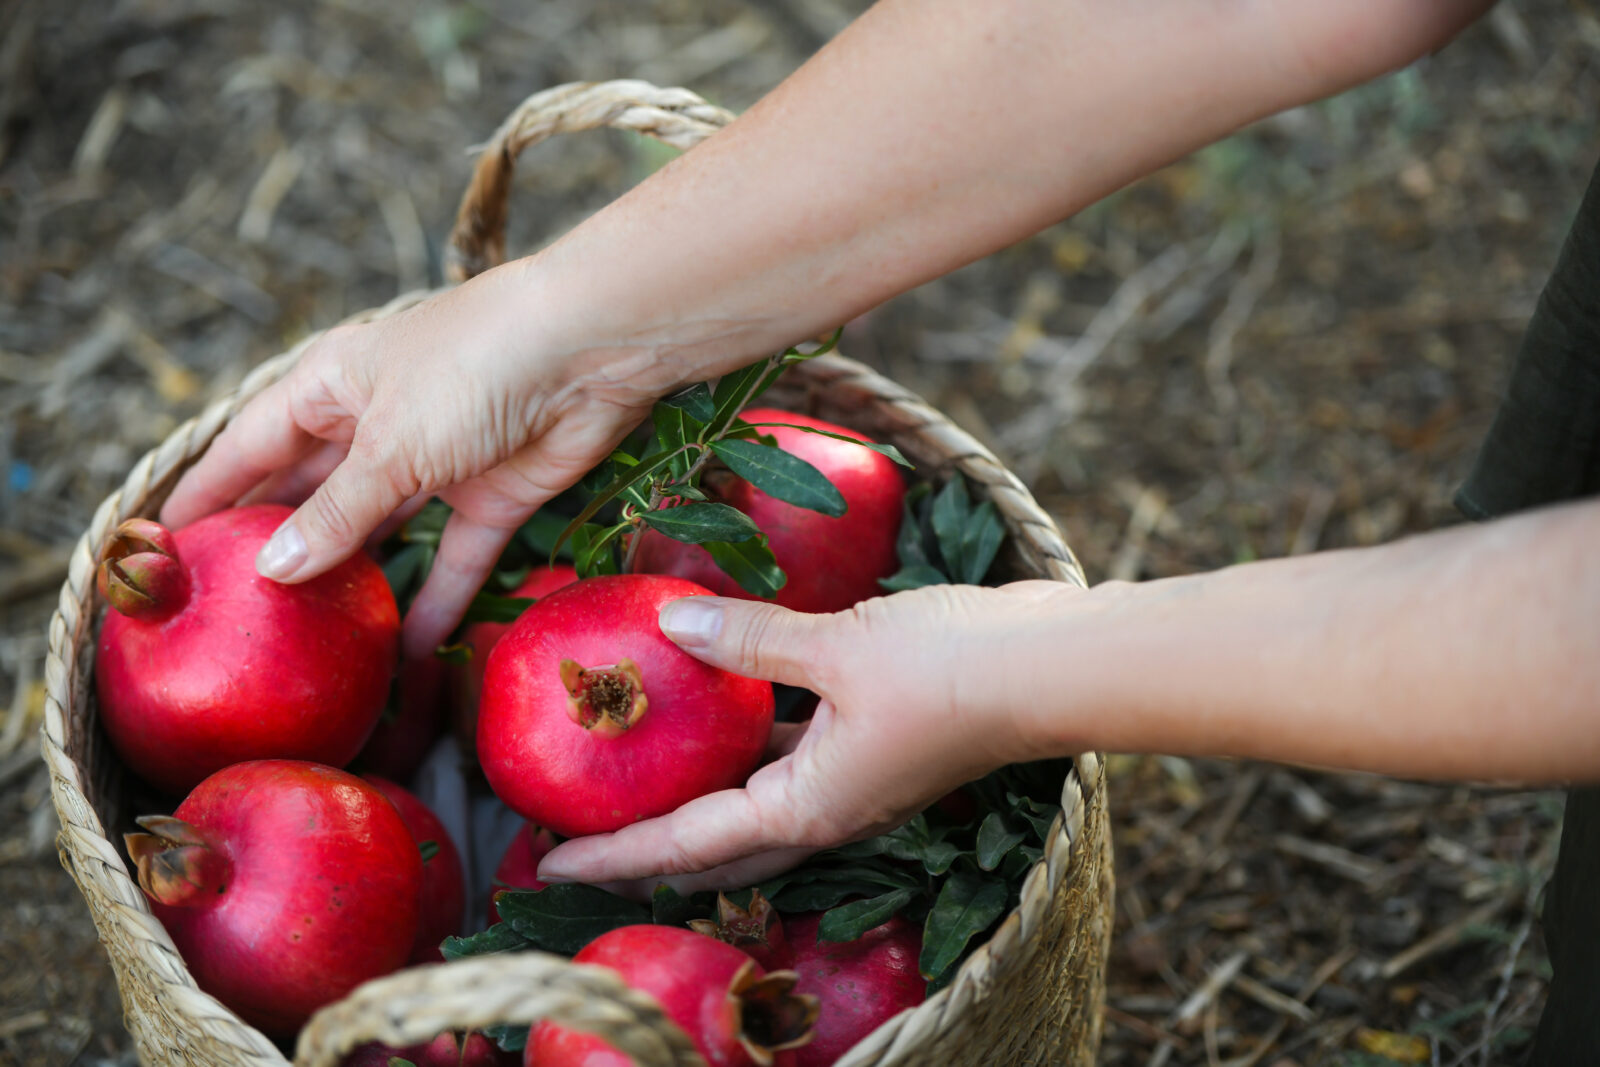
[261,440]
[709,832]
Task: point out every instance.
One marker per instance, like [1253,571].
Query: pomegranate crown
[179,864]
[606,701]
[743,928]
[140,574]
[772,1016]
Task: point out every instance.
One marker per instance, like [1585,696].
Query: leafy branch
[660,487]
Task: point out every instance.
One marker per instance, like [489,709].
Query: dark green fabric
[1544,447]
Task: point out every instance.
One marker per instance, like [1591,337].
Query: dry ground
[1291,341]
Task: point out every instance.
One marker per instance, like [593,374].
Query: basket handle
[674,116]
[416,1005]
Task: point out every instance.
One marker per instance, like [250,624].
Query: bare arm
[929,134]
[1472,653]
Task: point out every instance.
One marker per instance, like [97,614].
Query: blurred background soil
[1290,341]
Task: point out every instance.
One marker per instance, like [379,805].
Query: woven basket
[1031,995]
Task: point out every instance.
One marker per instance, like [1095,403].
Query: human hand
[462,396]
[918,693]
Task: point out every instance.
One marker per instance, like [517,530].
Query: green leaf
[995,839]
[636,473]
[968,904]
[950,509]
[509,1036]
[487,607]
[819,896]
[882,450]
[457,654]
[751,564]
[427,525]
[592,551]
[695,401]
[908,542]
[564,918]
[668,907]
[781,474]
[673,431]
[849,921]
[980,542]
[696,524]
[498,938]
[406,569]
[733,392]
[916,842]
[541,532]
[913,578]
[399,1061]
[429,849]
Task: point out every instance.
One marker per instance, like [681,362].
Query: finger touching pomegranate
[592,719]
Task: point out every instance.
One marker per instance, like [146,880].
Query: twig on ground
[1341,861]
[1446,937]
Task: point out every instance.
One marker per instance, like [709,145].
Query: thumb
[749,638]
[333,525]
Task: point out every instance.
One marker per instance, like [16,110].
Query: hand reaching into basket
[1335,660]
[458,396]
[892,733]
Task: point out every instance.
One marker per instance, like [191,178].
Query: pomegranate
[861,984]
[411,724]
[735,1013]
[444,883]
[446,1050]
[832,563]
[519,867]
[481,638]
[203,663]
[592,719]
[756,931]
[284,885]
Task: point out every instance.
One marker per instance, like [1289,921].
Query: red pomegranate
[446,1050]
[592,719]
[736,1014]
[203,663]
[411,723]
[756,930]
[519,867]
[284,884]
[861,984]
[832,563]
[481,637]
[444,882]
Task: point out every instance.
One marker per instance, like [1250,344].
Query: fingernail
[693,622]
[552,877]
[283,555]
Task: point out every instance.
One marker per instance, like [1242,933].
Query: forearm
[929,134]
[1473,653]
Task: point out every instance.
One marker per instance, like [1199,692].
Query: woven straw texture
[1031,995]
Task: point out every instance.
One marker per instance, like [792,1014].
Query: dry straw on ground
[1291,341]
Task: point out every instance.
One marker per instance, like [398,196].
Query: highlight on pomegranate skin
[591,719]
[284,885]
[832,563]
[203,663]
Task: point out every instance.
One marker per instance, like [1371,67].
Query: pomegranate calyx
[140,574]
[179,864]
[772,1016]
[607,701]
[739,927]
